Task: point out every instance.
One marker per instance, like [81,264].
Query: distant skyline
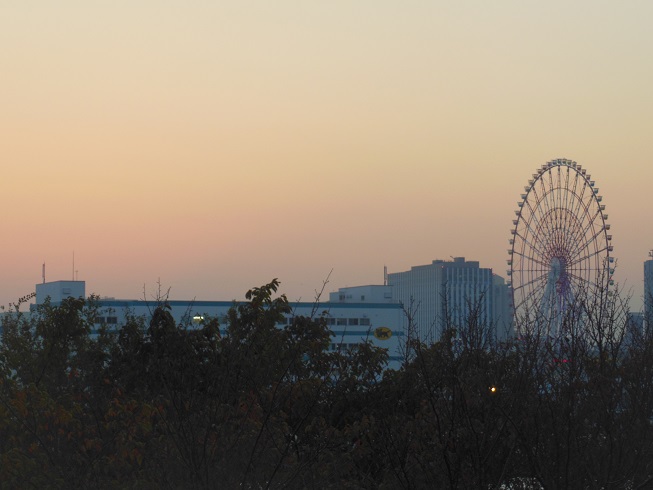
[216,145]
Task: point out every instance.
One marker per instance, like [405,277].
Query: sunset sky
[215,145]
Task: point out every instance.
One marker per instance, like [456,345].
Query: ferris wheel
[560,246]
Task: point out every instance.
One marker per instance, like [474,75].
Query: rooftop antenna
[385,275]
[650,254]
[73,265]
[43,272]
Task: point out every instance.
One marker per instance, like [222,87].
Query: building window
[342,321]
[362,297]
[365,322]
[353,321]
[112,320]
[344,346]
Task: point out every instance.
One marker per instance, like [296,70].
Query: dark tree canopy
[248,404]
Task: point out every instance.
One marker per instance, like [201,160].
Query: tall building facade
[648,290]
[447,294]
[502,308]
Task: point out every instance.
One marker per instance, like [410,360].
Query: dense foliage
[161,405]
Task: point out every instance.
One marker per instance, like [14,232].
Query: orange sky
[216,145]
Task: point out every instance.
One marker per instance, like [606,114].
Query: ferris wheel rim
[564,222]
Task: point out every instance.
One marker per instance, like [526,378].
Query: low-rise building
[351,323]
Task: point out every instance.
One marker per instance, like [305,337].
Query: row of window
[365,322]
[352,322]
[110,320]
[344,297]
[344,346]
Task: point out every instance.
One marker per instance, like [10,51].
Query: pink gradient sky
[216,145]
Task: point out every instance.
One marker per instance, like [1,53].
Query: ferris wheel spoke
[530,300]
[591,255]
[583,210]
[531,232]
[566,203]
[580,245]
[591,218]
[596,236]
[557,195]
[584,230]
[547,198]
[544,228]
[536,213]
[583,288]
[531,258]
[529,272]
[573,242]
[588,242]
[590,271]
[579,279]
[556,215]
[530,245]
[578,241]
[551,194]
[580,197]
[572,221]
[560,195]
[540,196]
[534,217]
[539,278]
[590,225]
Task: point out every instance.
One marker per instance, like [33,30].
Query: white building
[363,294]
[57,291]
[351,323]
[443,294]
[440,295]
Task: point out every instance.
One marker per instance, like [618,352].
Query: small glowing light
[493,389]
